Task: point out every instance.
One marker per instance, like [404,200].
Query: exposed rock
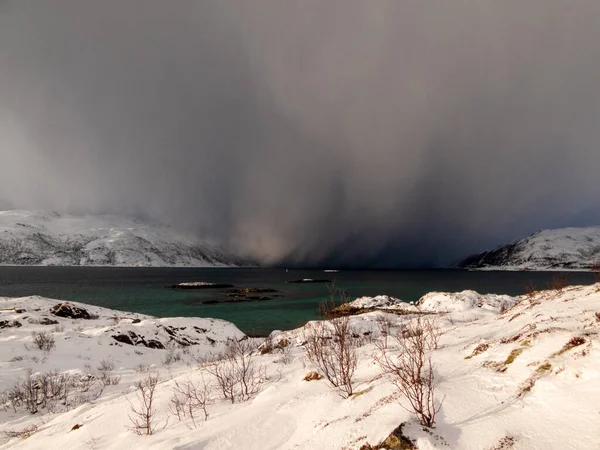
[70,311]
[10,324]
[134,339]
[47,321]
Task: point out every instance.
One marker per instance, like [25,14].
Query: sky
[339,132]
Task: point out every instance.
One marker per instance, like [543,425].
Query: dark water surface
[143,289]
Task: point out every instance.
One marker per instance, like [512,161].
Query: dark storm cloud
[390,133]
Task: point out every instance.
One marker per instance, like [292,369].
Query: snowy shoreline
[491,349]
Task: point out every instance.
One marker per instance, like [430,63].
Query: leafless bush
[236,372]
[286,354]
[172,357]
[51,391]
[411,370]
[105,371]
[43,340]
[530,291]
[558,283]
[431,331]
[141,417]
[332,348]
[22,434]
[385,323]
[190,399]
[142,368]
[596,271]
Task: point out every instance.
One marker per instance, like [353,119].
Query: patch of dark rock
[69,311]
[309,280]
[212,341]
[177,338]
[395,441]
[200,330]
[250,290]
[131,338]
[136,320]
[10,324]
[47,321]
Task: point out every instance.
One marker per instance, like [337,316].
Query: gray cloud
[385,133]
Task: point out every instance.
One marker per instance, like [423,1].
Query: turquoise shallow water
[143,289]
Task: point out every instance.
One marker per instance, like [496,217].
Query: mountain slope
[564,248]
[34,238]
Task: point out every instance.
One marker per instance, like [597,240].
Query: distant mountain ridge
[33,238]
[563,248]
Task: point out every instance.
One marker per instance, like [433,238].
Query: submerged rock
[200,285]
[309,280]
[250,290]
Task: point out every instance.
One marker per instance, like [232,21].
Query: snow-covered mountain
[564,248]
[35,238]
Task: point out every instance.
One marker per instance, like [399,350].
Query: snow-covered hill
[34,238]
[564,248]
[513,372]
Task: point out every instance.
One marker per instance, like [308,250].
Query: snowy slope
[565,248]
[36,238]
[508,380]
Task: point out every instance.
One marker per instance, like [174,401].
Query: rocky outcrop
[70,311]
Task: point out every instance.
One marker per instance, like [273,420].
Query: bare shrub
[172,357]
[22,434]
[105,370]
[236,372]
[411,370]
[384,323]
[52,392]
[286,354]
[431,331]
[596,271]
[558,283]
[530,290]
[141,417]
[331,346]
[43,340]
[190,399]
[267,346]
[142,368]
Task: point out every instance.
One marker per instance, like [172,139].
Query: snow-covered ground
[38,238]
[560,249]
[520,373]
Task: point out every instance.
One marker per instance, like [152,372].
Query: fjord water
[144,290]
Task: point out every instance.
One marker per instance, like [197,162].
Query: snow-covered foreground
[518,373]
